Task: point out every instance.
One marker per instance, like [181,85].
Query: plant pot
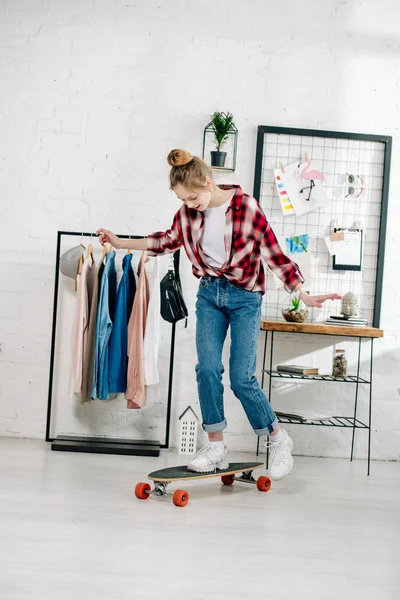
[218,158]
[294,316]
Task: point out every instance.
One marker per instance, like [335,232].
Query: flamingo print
[310,175]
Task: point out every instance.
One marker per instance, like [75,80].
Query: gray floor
[71,528]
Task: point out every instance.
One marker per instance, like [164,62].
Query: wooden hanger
[78,271]
[80,265]
[90,253]
[105,250]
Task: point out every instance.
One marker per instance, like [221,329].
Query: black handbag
[173,307]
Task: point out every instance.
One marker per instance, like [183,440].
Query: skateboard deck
[181,473]
[163,477]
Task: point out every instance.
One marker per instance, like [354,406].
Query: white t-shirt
[213,239]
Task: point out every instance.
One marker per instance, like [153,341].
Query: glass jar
[339,366]
[293,313]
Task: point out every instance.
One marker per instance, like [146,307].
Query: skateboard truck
[246,477]
[160,489]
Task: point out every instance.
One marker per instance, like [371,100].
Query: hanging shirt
[85,283]
[213,239]
[152,333]
[90,347]
[104,324]
[118,354]
[248,239]
[135,388]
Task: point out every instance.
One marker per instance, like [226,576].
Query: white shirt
[213,239]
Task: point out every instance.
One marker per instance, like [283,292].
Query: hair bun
[178,158]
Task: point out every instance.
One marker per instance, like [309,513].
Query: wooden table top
[322,328]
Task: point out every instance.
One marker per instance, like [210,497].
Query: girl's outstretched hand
[107,236]
[318,301]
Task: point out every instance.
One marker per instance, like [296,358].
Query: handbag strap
[176,266]
[177,274]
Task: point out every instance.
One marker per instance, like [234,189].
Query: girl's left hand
[318,301]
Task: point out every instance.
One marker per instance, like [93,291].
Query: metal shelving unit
[351,422]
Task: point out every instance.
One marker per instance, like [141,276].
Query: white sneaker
[208,460]
[280,457]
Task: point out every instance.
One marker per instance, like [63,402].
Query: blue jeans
[220,304]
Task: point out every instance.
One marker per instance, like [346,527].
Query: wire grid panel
[336,158]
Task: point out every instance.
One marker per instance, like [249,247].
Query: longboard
[164,477]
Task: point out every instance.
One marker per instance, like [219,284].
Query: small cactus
[296,303]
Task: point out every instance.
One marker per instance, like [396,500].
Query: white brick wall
[93,96]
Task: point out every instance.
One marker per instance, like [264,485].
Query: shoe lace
[203,450]
[278,454]
[213,452]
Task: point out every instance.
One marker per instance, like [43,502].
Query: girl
[225,234]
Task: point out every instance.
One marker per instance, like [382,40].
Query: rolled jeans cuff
[215,427]
[269,429]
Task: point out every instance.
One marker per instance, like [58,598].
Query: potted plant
[295,314]
[221,125]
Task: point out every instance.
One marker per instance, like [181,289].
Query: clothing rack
[102,445]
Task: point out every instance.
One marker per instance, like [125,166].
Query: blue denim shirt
[104,325]
[118,357]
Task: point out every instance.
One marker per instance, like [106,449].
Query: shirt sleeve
[280,264]
[165,242]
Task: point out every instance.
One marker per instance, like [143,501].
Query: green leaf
[221,124]
[296,303]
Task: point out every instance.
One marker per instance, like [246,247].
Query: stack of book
[346,321]
[297,370]
[312,418]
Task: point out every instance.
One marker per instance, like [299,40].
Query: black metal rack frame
[102,445]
